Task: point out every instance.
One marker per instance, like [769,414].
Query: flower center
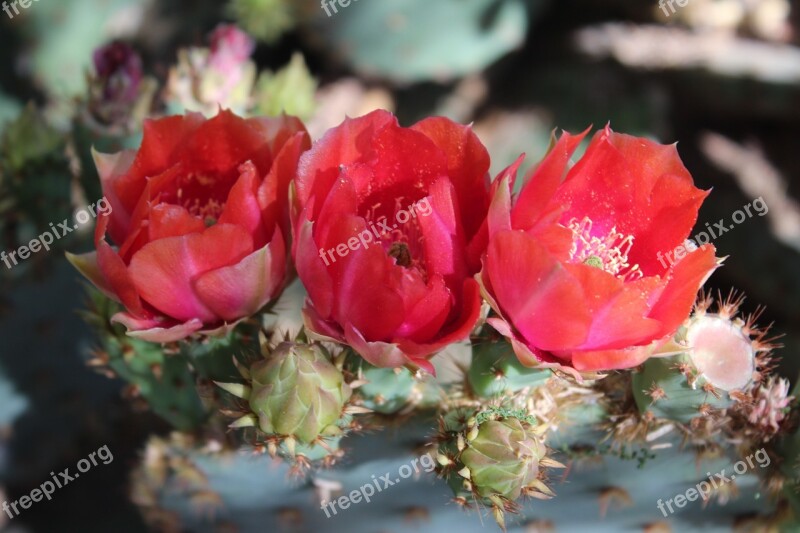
[608,252]
[399,233]
[194,195]
[401,254]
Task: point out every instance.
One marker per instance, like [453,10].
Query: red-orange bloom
[389,233]
[201,219]
[574,266]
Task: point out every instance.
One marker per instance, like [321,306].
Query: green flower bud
[503,458]
[298,392]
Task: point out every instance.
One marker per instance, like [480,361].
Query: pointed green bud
[503,458]
[298,392]
[494,455]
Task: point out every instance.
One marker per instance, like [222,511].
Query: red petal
[164,271]
[119,278]
[426,311]
[671,223]
[280,130]
[240,290]
[172,221]
[467,166]
[110,167]
[500,209]
[319,328]
[688,275]
[224,142]
[154,330]
[456,330]
[138,234]
[544,181]
[161,141]
[364,280]
[593,361]
[403,164]
[619,310]
[499,217]
[312,271]
[242,207]
[380,354]
[443,236]
[344,145]
[543,301]
[273,194]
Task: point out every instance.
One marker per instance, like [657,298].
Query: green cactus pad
[496,371]
[681,401]
[387,390]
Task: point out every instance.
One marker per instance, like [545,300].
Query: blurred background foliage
[720,76]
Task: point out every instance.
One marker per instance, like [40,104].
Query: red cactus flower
[388,236]
[575,266]
[200,216]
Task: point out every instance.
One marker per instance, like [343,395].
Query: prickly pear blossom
[389,232]
[572,264]
[201,223]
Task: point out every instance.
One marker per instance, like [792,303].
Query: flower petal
[172,221]
[164,271]
[344,145]
[312,270]
[240,290]
[242,207]
[151,331]
[544,181]
[597,360]
[688,275]
[383,354]
[467,166]
[532,287]
[109,167]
